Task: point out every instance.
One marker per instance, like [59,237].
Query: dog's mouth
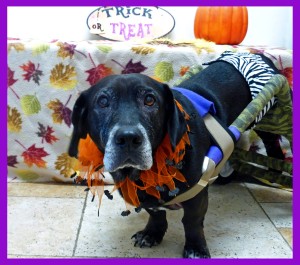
[121,162]
[131,172]
[117,160]
[128,163]
[126,172]
[128,166]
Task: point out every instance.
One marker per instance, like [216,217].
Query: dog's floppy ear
[176,126]
[79,117]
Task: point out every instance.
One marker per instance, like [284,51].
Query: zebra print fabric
[256,72]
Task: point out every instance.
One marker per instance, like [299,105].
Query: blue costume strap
[215,154]
[203,107]
[201,104]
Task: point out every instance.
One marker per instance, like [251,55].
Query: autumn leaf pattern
[14,120]
[97,72]
[132,67]
[67,50]
[46,134]
[144,50]
[61,113]
[31,72]
[183,70]
[19,47]
[62,76]
[104,48]
[12,161]
[66,165]
[42,82]
[11,81]
[10,75]
[30,104]
[33,155]
[27,175]
[164,71]
[40,48]
[286,71]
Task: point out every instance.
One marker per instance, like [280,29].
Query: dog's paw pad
[194,254]
[143,240]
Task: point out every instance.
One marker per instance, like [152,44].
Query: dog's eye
[103,101]
[149,100]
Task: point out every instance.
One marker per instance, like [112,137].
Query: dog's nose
[128,137]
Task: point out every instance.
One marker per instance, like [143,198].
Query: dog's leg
[154,231]
[271,143]
[194,212]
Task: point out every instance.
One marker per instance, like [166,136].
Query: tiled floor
[244,220]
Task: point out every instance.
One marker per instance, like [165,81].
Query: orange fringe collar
[163,172]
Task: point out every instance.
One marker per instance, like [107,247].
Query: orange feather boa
[161,173]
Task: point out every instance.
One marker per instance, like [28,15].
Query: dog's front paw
[196,254]
[145,239]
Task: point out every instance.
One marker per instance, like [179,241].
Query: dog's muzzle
[128,146]
[128,138]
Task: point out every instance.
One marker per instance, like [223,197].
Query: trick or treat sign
[123,23]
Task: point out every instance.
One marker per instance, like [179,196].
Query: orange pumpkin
[220,24]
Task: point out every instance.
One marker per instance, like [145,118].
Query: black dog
[127,116]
